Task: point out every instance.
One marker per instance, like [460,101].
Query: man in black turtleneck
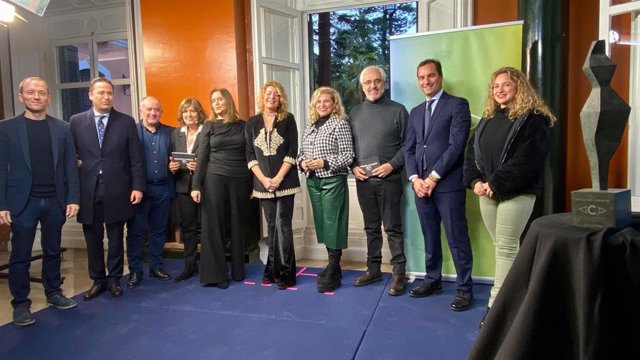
[378,125]
[39,183]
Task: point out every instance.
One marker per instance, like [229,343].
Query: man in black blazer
[38,184]
[153,211]
[436,135]
[112,180]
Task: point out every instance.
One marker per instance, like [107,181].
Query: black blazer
[121,161]
[15,164]
[183,176]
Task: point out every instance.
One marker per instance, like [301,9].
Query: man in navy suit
[436,135]
[153,211]
[112,181]
[38,184]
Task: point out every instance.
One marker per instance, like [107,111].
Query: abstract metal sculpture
[603,119]
[604,115]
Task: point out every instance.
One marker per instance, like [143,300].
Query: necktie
[101,128]
[427,115]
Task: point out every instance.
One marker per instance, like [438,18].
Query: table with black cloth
[573,292]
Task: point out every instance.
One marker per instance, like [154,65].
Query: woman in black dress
[223,184]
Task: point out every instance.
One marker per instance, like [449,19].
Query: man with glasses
[378,125]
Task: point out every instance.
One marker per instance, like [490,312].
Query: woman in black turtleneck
[223,183]
[504,163]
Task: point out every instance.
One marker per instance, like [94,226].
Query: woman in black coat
[505,160]
[184,140]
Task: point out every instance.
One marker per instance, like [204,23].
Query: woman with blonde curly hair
[272,144]
[325,156]
[505,160]
[191,116]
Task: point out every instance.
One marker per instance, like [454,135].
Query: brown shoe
[367,278]
[397,285]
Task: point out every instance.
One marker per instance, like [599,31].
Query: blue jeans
[50,215]
[153,212]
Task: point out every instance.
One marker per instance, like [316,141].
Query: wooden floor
[76,279]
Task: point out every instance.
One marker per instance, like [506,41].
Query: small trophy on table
[603,120]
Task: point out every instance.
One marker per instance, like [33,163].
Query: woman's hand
[195,196]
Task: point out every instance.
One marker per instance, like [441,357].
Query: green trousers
[330,203]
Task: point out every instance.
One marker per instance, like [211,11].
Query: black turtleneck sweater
[378,129]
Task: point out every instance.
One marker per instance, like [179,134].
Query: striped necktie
[101,128]
[427,115]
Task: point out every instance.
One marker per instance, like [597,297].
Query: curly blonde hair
[526,99]
[283,107]
[338,109]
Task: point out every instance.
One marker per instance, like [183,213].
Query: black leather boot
[333,273]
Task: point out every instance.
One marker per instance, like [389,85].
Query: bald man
[153,211]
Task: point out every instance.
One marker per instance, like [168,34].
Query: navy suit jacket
[120,159]
[15,164]
[442,147]
[164,131]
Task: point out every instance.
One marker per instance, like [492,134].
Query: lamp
[7,12]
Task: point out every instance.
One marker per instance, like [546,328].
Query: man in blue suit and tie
[153,211]
[112,182]
[38,184]
[435,138]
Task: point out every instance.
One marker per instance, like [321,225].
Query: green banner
[469,56]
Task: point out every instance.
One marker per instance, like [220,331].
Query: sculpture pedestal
[604,208]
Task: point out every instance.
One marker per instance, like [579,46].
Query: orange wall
[190,48]
[494,11]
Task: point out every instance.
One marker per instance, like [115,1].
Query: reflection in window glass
[74,101]
[73,63]
[113,59]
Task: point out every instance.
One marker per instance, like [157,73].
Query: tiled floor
[76,279]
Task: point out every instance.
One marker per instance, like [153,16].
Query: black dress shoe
[160,274]
[367,278]
[186,274]
[115,289]
[223,285]
[426,289]
[462,301]
[93,292]
[134,279]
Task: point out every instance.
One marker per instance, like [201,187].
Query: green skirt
[330,203]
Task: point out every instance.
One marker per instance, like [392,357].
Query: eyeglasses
[374,82]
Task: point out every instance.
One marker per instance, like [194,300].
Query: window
[81,60]
[345,41]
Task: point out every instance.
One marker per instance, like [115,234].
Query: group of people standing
[111,171]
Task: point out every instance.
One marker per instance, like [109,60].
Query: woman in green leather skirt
[325,156]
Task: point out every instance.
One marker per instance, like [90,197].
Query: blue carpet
[165,320]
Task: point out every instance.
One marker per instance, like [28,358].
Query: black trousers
[380,202]
[94,234]
[281,263]
[224,204]
[189,227]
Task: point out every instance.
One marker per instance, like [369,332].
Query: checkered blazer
[332,142]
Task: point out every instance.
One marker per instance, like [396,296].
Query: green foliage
[360,37]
